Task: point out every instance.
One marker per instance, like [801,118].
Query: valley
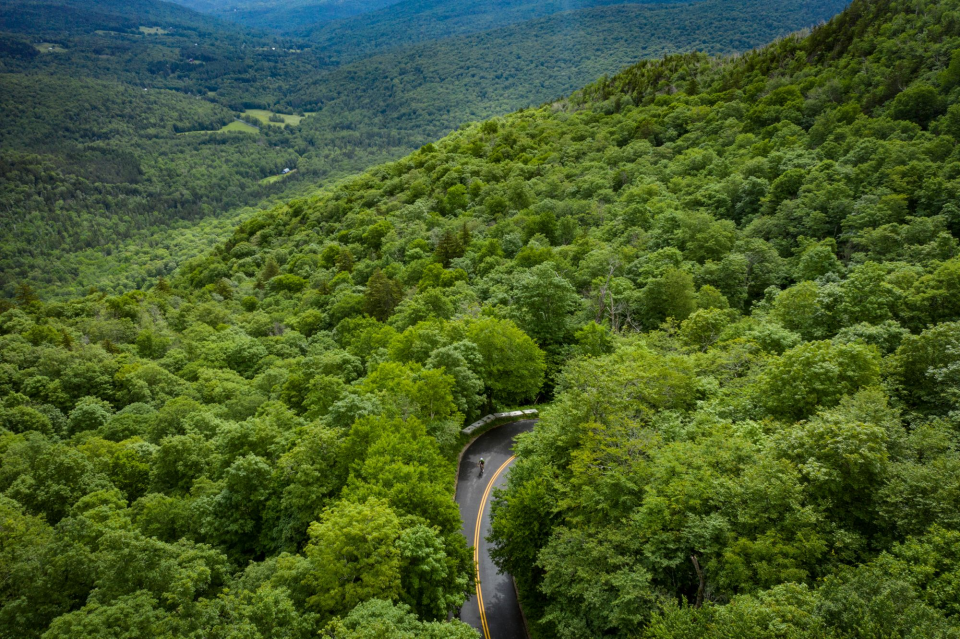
[218,72]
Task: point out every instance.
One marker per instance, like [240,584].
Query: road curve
[493,608]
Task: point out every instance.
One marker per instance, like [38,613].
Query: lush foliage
[736,280]
[285,15]
[92,161]
[414,21]
[780,457]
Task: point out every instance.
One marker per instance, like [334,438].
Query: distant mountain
[414,21]
[434,87]
[284,15]
[72,17]
[69,84]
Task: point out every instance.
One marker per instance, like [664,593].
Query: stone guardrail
[512,416]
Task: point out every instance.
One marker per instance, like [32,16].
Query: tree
[798,309]
[543,304]
[935,298]
[135,615]
[868,296]
[312,473]
[432,584]
[48,479]
[513,365]
[353,552]
[461,361]
[449,247]
[594,340]
[669,296]
[233,516]
[245,356]
[180,460]
[270,270]
[919,103]
[431,304]
[374,235]
[843,462]
[817,259]
[177,574]
[927,368]
[456,199]
[287,283]
[25,295]
[345,261]
[406,475]
[593,606]
[817,374]
[386,620]
[382,296]
[703,328]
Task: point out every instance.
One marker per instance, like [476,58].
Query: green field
[49,47]
[234,127]
[263,116]
[276,178]
[239,126]
[153,31]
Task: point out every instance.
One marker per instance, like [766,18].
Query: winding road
[493,609]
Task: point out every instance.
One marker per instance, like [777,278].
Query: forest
[410,22]
[285,16]
[730,284]
[116,137]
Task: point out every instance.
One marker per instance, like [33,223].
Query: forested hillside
[284,15]
[47,17]
[411,22]
[774,454]
[735,281]
[68,87]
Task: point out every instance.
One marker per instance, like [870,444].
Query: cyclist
[482,462]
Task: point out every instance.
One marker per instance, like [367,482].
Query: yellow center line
[476,545]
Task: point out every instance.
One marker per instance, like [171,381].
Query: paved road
[493,608]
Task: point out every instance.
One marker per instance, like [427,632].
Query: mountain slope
[735,281]
[366,112]
[462,79]
[410,22]
[296,17]
[59,17]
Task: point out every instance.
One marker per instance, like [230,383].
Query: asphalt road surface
[493,609]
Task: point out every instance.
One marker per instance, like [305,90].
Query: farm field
[238,126]
[276,178]
[263,115]
[49,47]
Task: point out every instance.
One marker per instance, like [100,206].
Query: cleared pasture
[263,115]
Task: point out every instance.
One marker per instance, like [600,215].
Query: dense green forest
[735,281]
[414,21]
[285,15]
[77,16]
[116,135]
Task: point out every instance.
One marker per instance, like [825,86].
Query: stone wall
[513,416]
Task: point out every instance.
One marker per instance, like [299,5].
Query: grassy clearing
[153,31]
[264,117]
[49,47]
[238,126]
[276,178]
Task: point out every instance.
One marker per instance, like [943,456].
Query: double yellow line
[476,544]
